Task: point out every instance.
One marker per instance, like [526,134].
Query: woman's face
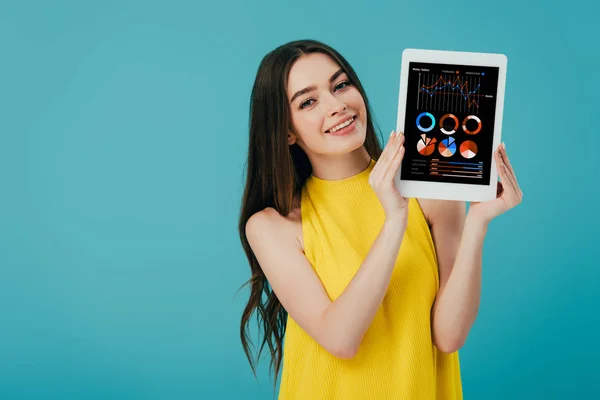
[330,100]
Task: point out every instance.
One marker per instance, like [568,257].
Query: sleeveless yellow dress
[397,358]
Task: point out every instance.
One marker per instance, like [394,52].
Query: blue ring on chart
[425,114]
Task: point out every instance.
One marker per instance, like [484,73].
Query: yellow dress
[397,358]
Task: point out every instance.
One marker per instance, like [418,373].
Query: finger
[384,154]
[513,196]
[499,189]
[393,169]
[507,184]
[510,168]
[395,162]
[388,153]
[390,142]
[396,145]
[510,176]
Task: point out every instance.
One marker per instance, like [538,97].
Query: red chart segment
[426,146]
[468,149]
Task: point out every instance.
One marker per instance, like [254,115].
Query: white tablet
[450,110]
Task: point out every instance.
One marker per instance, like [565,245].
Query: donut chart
[443,119]
[464,125]
[447,147]
[426,146]
[425,114]
[468,149]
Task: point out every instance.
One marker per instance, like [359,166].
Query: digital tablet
[450,110]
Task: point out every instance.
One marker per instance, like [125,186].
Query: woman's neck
[336,167]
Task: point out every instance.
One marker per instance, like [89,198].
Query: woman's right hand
[382,176]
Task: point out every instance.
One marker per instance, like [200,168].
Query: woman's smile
[344,130]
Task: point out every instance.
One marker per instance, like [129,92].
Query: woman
[374,292]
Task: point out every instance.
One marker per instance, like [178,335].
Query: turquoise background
[123,137]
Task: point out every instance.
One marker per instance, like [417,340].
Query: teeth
[343,124]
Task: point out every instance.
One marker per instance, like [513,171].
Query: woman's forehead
[311,69]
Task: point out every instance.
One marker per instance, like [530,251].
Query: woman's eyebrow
[311,88]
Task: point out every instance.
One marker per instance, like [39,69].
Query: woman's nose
[335,105]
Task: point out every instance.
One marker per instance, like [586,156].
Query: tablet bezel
[446,190]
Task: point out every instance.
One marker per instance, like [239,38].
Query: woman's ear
[291,138]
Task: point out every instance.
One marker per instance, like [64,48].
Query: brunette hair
[275,175]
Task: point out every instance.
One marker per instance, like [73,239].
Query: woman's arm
[338,326]
[458,242]
[459,261]
[353,311]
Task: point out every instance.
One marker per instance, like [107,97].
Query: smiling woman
[342,266]
[325,105]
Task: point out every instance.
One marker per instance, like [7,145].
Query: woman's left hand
[508,194]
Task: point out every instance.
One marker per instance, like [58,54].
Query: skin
[458,237]
[331,157]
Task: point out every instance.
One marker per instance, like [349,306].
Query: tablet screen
[449,123]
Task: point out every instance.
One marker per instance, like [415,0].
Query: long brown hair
[275,175]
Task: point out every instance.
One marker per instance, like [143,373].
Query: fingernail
[392,133]
[504,145]
[398,134]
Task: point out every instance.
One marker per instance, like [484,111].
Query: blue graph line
[453,87]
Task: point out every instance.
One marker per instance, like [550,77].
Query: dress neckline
[359,176]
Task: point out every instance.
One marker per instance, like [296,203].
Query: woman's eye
[343,83]
[305,104]
[338,86]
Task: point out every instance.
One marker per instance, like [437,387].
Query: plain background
[123,137]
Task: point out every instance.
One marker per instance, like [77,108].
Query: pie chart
[426,145]
[468,149]
[447,147]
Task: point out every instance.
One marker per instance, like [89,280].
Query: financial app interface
[449,123]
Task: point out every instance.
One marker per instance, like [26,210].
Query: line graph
[446,92]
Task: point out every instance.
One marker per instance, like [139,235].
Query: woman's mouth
[344,128]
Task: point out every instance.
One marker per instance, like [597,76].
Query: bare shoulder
[274,241]
[268,224]
[441,211]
